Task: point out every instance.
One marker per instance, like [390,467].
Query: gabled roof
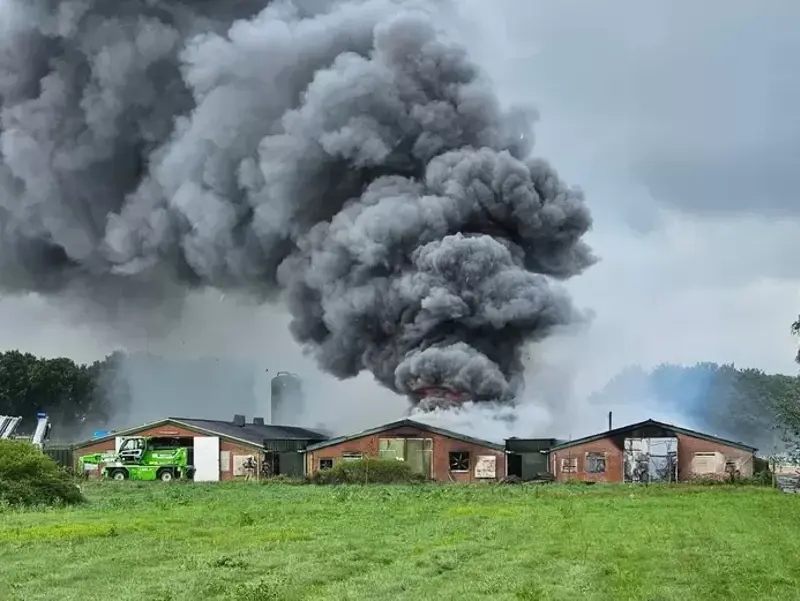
[406,423]
[251,434]
[652,422]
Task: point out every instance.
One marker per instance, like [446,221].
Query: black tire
[165,475]
[119,475]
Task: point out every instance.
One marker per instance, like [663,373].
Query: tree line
[743,404]
[747,405]
[77,397]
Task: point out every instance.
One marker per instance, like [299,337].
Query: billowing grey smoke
[344,153]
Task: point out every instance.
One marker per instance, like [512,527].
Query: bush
[28,477]
[284,479]
[367,471]
[757,479]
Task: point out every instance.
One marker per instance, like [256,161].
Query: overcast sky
[682,125]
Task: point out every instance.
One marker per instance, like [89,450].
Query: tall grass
[234,542]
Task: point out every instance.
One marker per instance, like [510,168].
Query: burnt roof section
[253,434]
[653,423]
[410,424]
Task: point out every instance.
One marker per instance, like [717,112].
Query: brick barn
[217,449]
[650,451]
[441,455]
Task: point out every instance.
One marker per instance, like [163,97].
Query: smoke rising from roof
[345,155]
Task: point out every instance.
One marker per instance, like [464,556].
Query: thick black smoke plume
[345,154]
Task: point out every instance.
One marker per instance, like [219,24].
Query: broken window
[595,463]
[352,456]
[459,461]
[326,463]
[569,465]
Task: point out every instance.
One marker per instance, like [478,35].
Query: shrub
[367,471]
[284,479]
[29,477]
[757,479]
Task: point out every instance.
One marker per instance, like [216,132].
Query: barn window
[569,464]
[417,452]
[326,463]
[595,463]
[704,463]
[352,456]
[392,448]
[459,461]
[224,461]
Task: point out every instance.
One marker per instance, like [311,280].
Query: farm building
[527,457]
[442,455]
[649,451]
[218,449]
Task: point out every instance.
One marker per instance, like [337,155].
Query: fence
[61,454]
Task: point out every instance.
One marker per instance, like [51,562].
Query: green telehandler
[143,458]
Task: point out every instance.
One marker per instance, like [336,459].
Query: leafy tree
[77,397]
[796,332]
[28,477]
[741,404]
[790,409]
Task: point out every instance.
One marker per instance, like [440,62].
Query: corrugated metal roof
[652,422]
[254,434]
[406,423]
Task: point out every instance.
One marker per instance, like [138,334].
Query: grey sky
[681,123]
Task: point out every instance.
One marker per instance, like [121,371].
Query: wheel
[165,476]
[119,475]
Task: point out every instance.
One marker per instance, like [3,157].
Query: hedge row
[367,471]
[29,478]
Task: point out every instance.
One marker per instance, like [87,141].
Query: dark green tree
[742,404]
[77,397]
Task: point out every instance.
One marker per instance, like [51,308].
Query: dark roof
[406,423]
[652,422]
[249,433]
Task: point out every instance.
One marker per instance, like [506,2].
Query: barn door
[419,455]
[206,459]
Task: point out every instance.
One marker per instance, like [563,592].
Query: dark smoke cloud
[345,154]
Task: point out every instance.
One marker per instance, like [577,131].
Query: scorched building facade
[650,451]
[438,454]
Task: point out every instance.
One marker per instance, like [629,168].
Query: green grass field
[251,542]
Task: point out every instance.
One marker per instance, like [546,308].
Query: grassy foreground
[251,542]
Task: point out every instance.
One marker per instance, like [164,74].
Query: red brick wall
[614,462]
[442,447]
[237,449]
[170,430]
[687,447]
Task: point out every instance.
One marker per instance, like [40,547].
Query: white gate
[206,459]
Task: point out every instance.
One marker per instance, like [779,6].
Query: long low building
[648,451]
[438,454]
[218,449]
